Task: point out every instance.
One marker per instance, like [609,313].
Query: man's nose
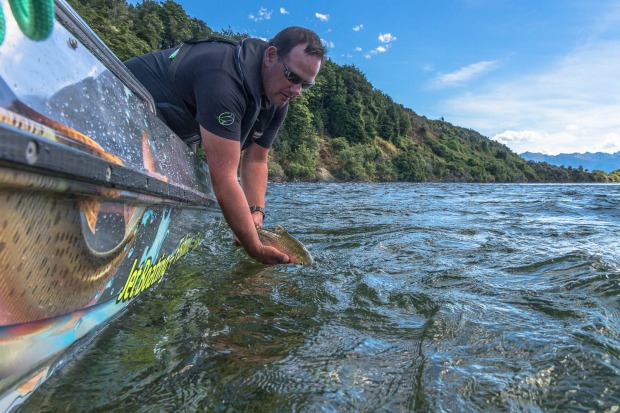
[296,89]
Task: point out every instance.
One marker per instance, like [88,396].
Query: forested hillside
[343,128]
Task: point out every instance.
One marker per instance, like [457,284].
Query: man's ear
[271,54]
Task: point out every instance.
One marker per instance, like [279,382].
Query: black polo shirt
[208,91]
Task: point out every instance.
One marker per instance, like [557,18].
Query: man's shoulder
[212,51]
[209,62]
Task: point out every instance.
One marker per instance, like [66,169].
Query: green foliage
[343,125]
[614,176]
[356,163]
[114,21]
[297,147]
[149,26]
[303,163]
[133,30]
[410,165]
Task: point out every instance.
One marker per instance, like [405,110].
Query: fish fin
[147,154]
[132,215]
[148,160]
[90,208]
[128,212]
[29,385]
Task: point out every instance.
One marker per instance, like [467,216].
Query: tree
[177,24]
[297,147]
[148,24]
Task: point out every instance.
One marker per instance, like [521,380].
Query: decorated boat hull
[98,198]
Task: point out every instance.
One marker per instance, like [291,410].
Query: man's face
[284,77]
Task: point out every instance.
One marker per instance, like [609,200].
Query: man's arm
[254,173]
[223,160]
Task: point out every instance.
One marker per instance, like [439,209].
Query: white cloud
[386,38]
[263,14]
[283,11]
[553,143]
[358,49]
[571,106]
[464,74]
[322,17]
[523,140]
[328,43]
[358,27]
[377,50]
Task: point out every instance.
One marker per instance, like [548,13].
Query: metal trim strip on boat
[22,150]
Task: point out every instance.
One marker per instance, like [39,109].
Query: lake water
[423,297]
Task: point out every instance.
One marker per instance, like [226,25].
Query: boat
[98,198]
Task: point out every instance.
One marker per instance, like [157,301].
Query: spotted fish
[285,243]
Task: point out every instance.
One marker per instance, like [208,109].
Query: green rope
[2,28]
[35,18]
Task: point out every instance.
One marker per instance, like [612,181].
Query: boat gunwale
[57,160]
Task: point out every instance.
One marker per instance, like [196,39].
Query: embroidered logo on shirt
[226,118]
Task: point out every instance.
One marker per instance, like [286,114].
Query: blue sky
[536,75]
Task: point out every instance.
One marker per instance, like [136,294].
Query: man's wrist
[255,208]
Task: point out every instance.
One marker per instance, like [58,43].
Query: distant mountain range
[606,162]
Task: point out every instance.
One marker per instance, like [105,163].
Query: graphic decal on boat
[144,275]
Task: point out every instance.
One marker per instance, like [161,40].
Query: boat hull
[98,198]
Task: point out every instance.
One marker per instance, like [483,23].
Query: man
[233,97]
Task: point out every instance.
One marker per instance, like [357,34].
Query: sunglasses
[294,77]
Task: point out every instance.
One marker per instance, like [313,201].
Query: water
[423,297]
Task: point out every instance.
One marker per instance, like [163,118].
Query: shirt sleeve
[220,103]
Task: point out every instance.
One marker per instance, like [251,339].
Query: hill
[343,127]
[606,162]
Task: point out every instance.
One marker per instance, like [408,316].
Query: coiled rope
[35,18]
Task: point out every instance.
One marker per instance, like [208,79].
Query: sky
[536,75]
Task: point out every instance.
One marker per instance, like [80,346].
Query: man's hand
[268,255]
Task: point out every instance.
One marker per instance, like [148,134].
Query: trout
[286,243]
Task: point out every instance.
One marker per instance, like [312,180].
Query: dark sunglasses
[294,77]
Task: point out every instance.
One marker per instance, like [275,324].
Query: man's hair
[292,36]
